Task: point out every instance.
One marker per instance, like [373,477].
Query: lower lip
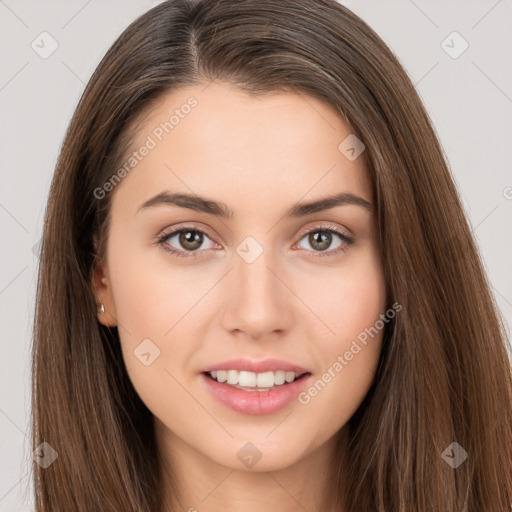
[256,403]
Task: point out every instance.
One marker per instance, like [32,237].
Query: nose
[261,302]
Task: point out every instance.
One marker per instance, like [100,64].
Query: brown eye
[185,242]
[190,240]
[320,240]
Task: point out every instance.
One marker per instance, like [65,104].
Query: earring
[101,309]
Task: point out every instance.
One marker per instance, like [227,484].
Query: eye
[321,238]
[189,238]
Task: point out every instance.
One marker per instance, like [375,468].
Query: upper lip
[265,365]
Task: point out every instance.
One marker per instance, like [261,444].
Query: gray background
[469,99]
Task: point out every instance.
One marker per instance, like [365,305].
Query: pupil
[191,240]
[321,239]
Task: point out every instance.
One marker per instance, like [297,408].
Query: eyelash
[346,239]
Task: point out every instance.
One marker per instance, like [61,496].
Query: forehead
[241,149]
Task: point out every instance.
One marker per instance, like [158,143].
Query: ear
[103,294]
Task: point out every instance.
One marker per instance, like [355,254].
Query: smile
[251,381]
[255,388]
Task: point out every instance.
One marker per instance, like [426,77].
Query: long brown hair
[444,374]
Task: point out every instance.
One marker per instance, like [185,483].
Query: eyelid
[347,239]
[319,225]
[183,226]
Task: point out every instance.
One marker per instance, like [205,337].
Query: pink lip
[267,365]
[256,403]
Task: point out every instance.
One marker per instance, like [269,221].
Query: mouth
[255,388]
[252,381]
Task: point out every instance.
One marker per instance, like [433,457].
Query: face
[274,289]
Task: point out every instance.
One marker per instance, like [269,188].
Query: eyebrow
[219,209]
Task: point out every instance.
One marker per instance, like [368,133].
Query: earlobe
[105,318]
[103,295]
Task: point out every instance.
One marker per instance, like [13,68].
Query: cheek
[156,309]
[347,300]
[348,341]
[150,294]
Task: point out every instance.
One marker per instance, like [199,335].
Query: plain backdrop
[467,92]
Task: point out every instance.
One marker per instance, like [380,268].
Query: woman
[257,286]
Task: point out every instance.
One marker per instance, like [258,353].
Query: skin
[260,156]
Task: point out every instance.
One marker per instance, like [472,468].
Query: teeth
[279,377]
[264,380]
[247,379]
[244,379]
[232,377]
